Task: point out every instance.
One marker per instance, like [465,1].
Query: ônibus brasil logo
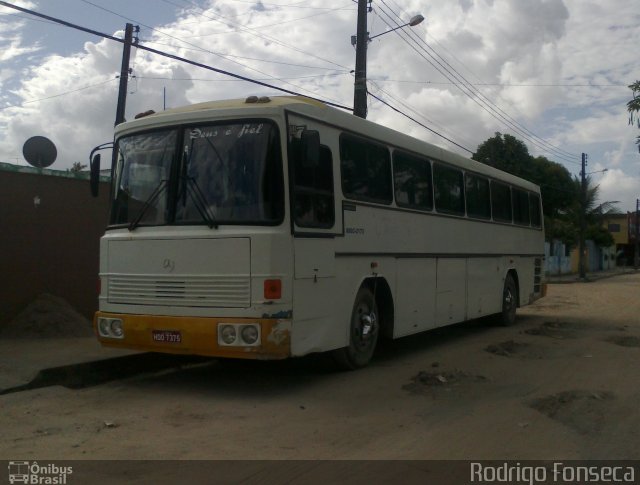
[33,473]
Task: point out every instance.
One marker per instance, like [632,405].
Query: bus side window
[534,208]
[478,198]
[366,170]
[501,202]
[412,180]
[313,201]
[521,214]
[449,189]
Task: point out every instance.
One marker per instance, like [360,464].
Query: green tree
[633,107]
[557,186]
[77,167]
[561,192]
[595,215]
[506,153]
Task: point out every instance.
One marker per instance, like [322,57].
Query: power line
[416,113]
[417,122]
[250,31]
[232,80]
[520,128]
[266,26]
[57,95]
[470,91]
[476,96]
[191,44]
[290,5]
[167,55]
[461,63]
[169,35]
[517,85]
[202,49]
[32,19]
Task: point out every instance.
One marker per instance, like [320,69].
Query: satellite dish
[39,151]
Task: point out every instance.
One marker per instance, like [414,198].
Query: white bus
[269,228]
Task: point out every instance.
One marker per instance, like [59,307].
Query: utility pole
[360,74]
[124,71]
[636,254]
[583,210]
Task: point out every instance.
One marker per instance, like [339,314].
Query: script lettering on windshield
[239,132]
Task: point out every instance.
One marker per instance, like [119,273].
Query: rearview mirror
[94,180]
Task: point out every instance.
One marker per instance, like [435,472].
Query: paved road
[562,383]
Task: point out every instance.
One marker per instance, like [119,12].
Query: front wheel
[509,301]
[363,333]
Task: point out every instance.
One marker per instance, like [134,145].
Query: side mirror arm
[94,167]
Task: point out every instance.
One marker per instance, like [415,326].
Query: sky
[553,73]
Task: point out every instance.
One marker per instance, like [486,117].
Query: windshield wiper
[191,187]
[200,202]
[152,198]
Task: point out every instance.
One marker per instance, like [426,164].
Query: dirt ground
[560,384]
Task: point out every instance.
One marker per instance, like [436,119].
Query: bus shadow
[390,350]
[260,379]
[237,377]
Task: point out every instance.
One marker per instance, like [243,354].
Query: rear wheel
[363,333]
[509,301]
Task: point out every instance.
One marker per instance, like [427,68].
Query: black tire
[509,302]
[363,333]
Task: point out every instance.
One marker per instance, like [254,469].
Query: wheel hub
[368,323]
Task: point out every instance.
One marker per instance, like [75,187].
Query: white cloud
[618,185]
[19,3]
[501,41]
[10,48]
[11,40]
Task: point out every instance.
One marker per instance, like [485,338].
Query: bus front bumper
[215,337]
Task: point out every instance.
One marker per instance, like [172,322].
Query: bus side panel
[451,294]
[315,328]
[526,269]
[415,300]
[485,282]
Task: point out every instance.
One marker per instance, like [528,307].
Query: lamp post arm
[387,31]
[415,20]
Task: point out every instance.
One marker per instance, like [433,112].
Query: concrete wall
[597,259]
[608,258]
[556,263]
[50,228]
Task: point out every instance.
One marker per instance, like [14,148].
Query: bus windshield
[222,173]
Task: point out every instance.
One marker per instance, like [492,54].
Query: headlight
[239,334]
[103,327]
[110,327]
[116,328]
[249,334]
[228,334]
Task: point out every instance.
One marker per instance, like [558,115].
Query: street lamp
[361,40]
[415,20]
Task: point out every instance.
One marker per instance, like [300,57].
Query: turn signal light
[272,289]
